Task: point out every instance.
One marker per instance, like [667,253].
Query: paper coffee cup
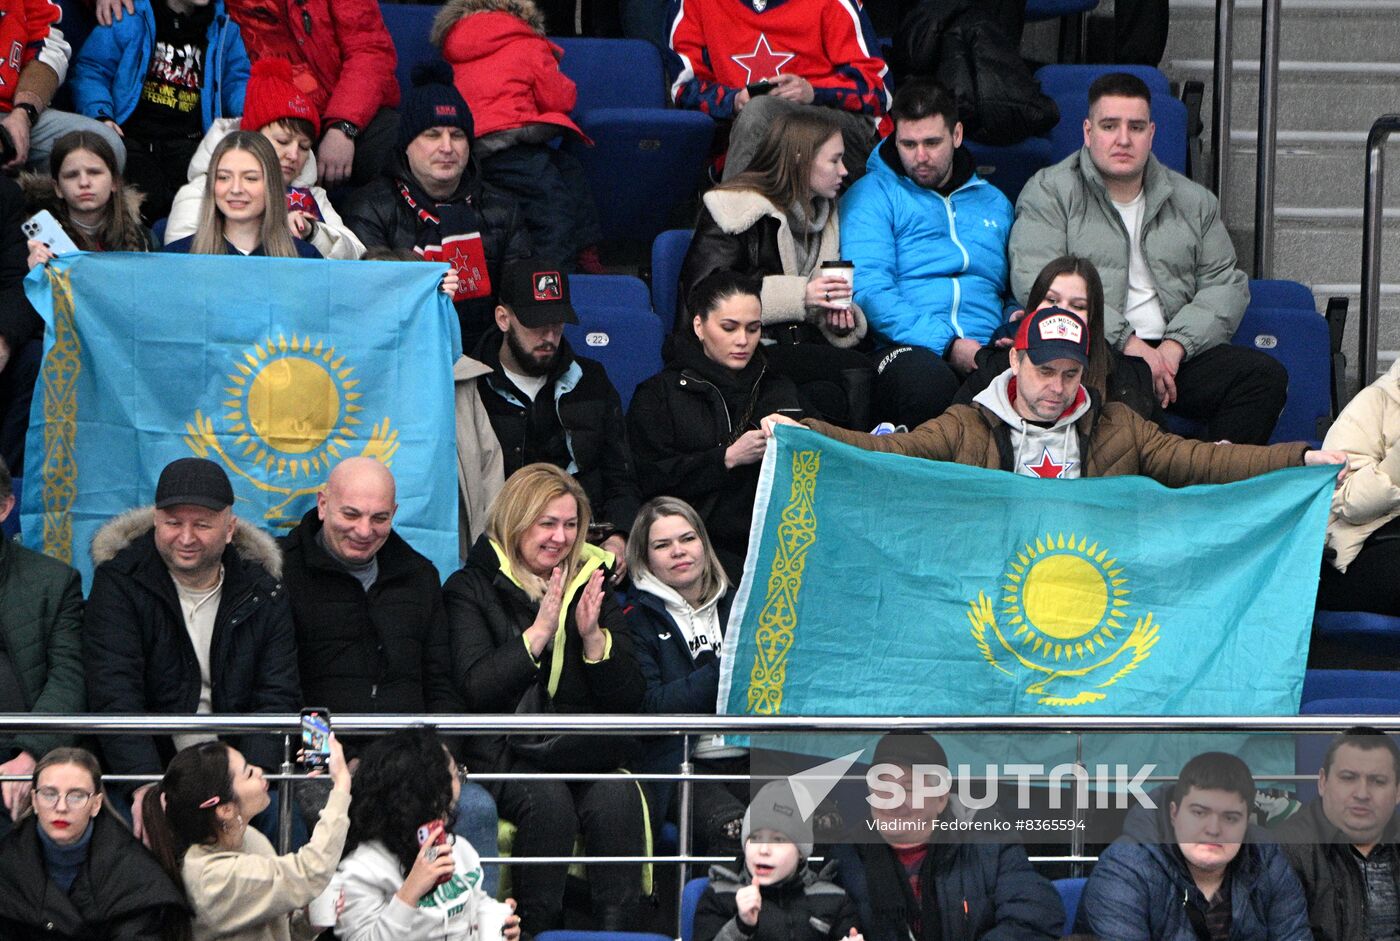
[846,271]
[321,911]
[491,920]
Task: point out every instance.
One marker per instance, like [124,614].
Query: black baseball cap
[1053,333]
[537,292]
[194,481]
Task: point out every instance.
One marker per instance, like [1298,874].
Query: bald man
[370,624]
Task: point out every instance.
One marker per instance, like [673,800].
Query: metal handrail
[637,725]
[1268,141]
[1220,97]
[1372,210]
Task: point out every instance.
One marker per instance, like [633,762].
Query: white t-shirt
[1143,311]
[530,385]
[200,609]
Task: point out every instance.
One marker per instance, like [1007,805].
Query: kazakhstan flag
[276,369]
[886,585]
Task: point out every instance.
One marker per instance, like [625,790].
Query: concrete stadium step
[1320,30]
[1388,337]
[1314,168]
[1313,96]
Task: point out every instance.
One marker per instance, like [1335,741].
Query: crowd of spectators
[601,550]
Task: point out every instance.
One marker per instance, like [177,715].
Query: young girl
[243,212]
[277,110]
[85,192]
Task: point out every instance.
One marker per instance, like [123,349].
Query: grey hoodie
[1038,451]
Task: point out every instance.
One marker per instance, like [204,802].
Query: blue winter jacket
[929,268]
[1140,887]
[110,71]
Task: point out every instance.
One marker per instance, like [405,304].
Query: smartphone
[435,830]
[759,88]
[316,736]
[43,227]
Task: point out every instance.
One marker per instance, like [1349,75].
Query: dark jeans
[1372,580]
[158,168]
[16,396]
[547,816]
[1237,392]
[552,192]
[912,385]
[376,147]
[833,384]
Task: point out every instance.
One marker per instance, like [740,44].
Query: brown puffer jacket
[1113,440]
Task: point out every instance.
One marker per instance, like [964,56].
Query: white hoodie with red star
[1038,450]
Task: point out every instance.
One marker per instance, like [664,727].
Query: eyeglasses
[76,800]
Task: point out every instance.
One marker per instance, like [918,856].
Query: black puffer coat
[138,656]
[682,420]
[960,43]
[381,218]
[487,614]
[806,906]
[121,894]
[379,651]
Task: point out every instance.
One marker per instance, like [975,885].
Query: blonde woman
[533,628]
[244,210]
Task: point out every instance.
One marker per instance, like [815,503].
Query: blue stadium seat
[616,290]
[690,900]
[667,256]
[1008,168]
[647,158]
[1070,890]
[158,230]
[10,527]
[1069,86]
[408,26]
[1037,10]
[1301,341]
[1279,293]
[625,339]
[1350,684]
[1358,627]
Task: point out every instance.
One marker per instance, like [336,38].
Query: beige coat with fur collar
[1368,430]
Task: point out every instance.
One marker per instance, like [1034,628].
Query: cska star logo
[1047,469]
[763,62]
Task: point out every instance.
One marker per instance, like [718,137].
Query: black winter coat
[121,894]
[803,907]
[138,656]
[19,322]
[961,43]
[982,891]
[381,218]
[378,652]
[576,420]
[487,614]
[752,252]
[680,426]
[1320,854]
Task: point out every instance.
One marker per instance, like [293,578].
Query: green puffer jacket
[41,617]
[1065,209]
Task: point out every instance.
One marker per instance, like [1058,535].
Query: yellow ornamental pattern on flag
[1066,604]
[292,412]
[62,365]
[797,532]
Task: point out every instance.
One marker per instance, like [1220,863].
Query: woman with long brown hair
[244,210]
[778,222]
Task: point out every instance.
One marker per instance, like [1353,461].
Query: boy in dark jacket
[775,896]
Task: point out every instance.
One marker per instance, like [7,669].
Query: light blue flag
[885,585]
[276,369]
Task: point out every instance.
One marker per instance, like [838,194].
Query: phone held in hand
[315,737]
[43,227]
[435,831]
[759,88]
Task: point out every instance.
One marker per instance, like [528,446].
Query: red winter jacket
[29,30]
[344,63]
[504,66]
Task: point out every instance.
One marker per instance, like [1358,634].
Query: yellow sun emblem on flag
[1065,604]
[292,412]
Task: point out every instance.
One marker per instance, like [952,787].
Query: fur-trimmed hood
[252,544]
[454,10]
[39,194]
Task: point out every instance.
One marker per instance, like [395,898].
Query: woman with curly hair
[405,877]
